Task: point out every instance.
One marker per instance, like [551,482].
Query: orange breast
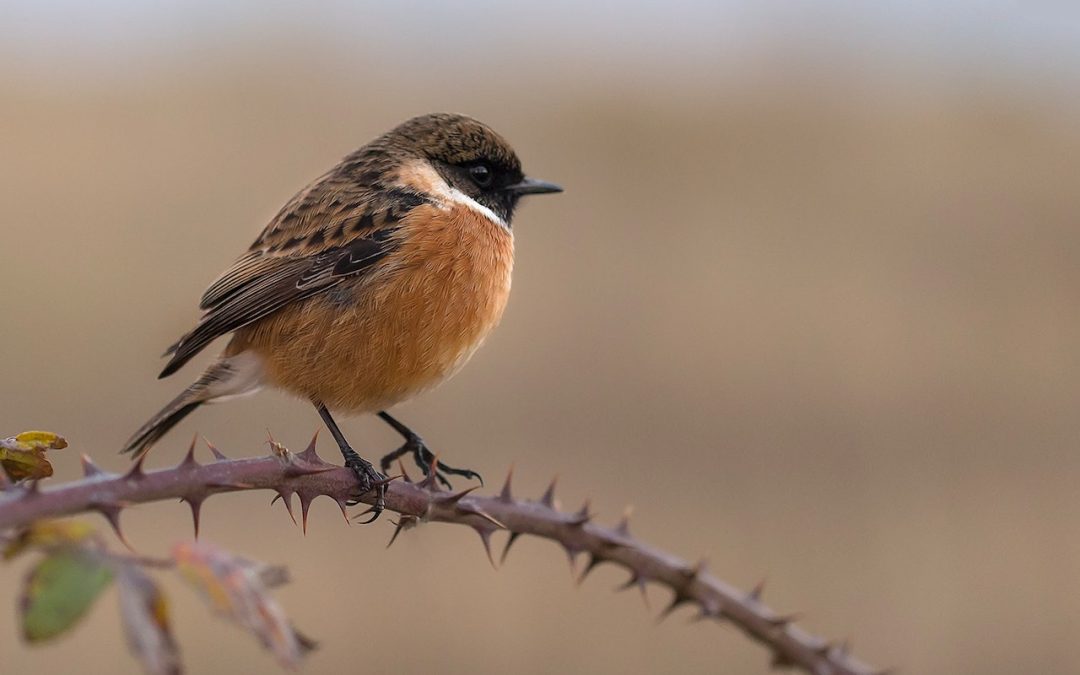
[368,344]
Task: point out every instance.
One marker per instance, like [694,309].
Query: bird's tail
[170,415]
[227,378]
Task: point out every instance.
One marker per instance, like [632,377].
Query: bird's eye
[481,175]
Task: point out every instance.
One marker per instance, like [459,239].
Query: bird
[373,284]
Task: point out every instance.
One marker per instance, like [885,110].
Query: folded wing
[261,283]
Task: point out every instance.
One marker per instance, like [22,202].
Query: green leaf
[58,592]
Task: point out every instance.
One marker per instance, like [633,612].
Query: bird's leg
[423,457]
[370,479]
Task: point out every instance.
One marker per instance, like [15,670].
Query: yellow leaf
[41,440]
[23,457]
[48,534]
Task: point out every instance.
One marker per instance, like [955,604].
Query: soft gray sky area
[1027,38]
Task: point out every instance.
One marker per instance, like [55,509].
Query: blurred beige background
[810,303]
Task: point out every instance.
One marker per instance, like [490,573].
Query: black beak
[532,186]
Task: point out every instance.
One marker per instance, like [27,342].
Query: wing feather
[235,278]
[260,284]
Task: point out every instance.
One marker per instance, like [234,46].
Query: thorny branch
[308,476]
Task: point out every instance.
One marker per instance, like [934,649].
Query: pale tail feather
[228,378]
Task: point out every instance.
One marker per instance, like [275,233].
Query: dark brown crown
[454,139]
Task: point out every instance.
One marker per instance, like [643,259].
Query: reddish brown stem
[308,476]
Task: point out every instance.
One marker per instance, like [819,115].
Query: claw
[375,512]
[424,458]
[370,480]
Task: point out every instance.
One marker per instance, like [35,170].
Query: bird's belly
[366,347]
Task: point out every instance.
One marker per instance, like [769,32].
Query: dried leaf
[48,534]
[58,592]
[236,588]
[23,457]
[145,613]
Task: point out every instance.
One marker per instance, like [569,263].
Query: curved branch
[308,476]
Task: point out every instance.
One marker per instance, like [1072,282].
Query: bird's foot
[424,458]
[370,480]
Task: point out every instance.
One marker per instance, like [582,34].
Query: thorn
[404,473]
[111,512]
[384,481]
[505,495]
[343,505]
[309,454]
[756,592]
[89,469]
[305,504]
[582,516]
[783,620]
[485,537]
[453,498]
[639,581]
[506,549]
[213,450]
[594,560]
[695,572]
[196,505]
[474,510]
[286,499]
[571,555]
[548,499]
[623,528]
[405,522]
[398,527]
[678,600]
[189,458]
[136,472]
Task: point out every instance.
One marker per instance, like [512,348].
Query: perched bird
[373,283]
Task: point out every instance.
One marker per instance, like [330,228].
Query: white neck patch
[457,196]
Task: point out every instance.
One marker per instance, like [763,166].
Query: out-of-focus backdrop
[810,302]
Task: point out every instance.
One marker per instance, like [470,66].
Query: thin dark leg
[370,479]
[423,457]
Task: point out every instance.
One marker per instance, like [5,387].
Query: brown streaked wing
[239,275]
[309,224]
[268,282]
